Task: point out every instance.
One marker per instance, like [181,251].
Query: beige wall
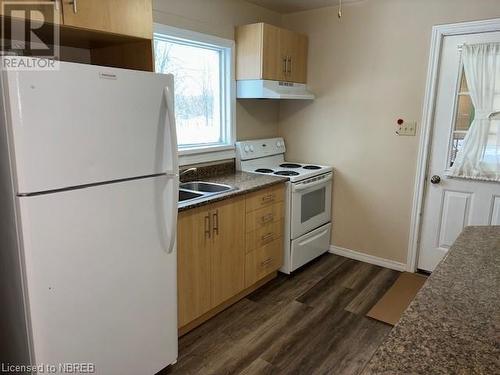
[255,119]
[367,71]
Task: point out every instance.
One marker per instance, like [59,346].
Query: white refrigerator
[88,199]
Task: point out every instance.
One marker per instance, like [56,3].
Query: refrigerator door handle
[171,220]
[170,124]
[173,174]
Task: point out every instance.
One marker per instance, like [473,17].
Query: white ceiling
[290,6]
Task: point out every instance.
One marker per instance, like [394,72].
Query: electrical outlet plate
[407,129]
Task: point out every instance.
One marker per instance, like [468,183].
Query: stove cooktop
[267,156]
[295,171]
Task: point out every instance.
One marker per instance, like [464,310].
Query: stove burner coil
[290,165]
[312,167]
[286,173]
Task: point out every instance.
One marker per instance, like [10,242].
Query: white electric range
[308,203]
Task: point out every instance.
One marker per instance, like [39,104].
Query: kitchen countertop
[452,325]
[243,182]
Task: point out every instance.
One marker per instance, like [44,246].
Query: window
[463,118]
[203,72]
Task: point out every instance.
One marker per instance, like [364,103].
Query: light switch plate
[407,129]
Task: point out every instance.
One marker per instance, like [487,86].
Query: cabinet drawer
[263,261]
[264,235]
[260,218]
[265,197]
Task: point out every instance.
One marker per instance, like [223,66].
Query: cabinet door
[273,59]
[228,251]
[294,49]
[37,12]
[297,69]
[194,243]
[285,48]
[131,17]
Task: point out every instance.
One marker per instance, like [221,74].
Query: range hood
[265,89]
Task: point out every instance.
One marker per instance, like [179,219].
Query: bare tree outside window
[197,75]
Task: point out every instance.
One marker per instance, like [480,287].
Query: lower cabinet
[225,248]
[263,261]
[193,265]
[228,254]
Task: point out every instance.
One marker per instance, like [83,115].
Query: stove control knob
[278,144]
[252,148]
[247,148]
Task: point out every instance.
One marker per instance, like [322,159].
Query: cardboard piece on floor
[395,301]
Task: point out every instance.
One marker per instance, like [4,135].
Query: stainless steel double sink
[190,191]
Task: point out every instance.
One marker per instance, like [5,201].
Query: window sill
[188,156]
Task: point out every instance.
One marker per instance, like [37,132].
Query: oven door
[311,204]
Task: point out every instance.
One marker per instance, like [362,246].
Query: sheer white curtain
[479,157]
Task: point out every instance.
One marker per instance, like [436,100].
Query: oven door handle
[302,186]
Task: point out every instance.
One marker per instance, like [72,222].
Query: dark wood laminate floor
[310,323]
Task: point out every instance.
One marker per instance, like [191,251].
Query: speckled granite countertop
[243,182]
[453,324]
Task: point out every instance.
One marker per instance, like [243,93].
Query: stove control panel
[260,148]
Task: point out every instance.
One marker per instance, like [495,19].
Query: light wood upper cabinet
[35,12]
[268,52]
[117,33]
[273,64]
[297,68]
[228,253]
[130,17]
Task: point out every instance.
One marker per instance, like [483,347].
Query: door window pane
[464,89]
[465,113]
[463,119]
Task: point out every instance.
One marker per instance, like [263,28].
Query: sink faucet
[187,171]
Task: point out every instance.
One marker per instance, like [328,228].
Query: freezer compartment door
[85,124]
[310,246]
[100,281]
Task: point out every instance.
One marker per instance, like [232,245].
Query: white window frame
[208,153]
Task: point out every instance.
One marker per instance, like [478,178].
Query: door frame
[438,34]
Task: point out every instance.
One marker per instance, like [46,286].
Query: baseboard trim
[356,255]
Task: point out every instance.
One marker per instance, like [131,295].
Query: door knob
[435,179]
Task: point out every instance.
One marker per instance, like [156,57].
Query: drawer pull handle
[266,262]
[267,237]
[267,218]
[207,226]
[268,198]
[75,6]
[216,222]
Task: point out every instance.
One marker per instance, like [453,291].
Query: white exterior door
[450,203]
